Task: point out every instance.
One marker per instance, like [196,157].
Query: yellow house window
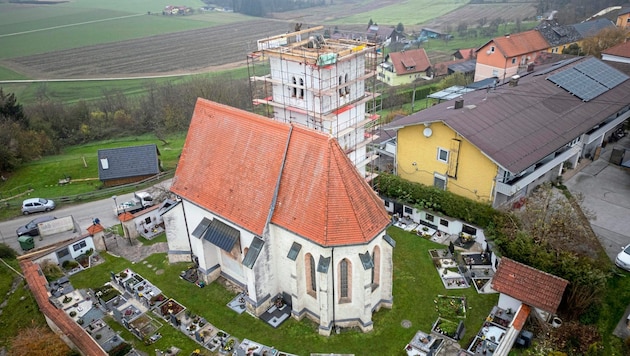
[442,155]
[439,181]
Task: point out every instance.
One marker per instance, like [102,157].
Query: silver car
[35,205]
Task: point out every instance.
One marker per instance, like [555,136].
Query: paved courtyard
[606,191]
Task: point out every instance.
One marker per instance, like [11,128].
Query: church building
[279,210]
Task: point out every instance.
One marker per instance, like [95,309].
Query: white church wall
[176,236]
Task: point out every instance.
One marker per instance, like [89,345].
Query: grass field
[42,176]
[73,91]
[116,29]
[410,12]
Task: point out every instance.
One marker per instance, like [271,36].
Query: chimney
[459,103]
[514,80]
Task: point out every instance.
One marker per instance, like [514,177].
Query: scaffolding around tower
[323,81]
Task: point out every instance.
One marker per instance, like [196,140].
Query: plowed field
[181,52]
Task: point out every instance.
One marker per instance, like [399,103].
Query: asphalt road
[83,214]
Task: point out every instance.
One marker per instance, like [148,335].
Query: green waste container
[26,242]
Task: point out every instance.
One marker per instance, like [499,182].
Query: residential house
[525,290]
[384,34]
[279,210]
[505,56]
[466,53]
[559,37]
[117,166]
[429,33]
[464,66]
[593,27]
[498,143]
[404,67]
[623,18]
[619,53]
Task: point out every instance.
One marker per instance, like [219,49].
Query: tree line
[47,126]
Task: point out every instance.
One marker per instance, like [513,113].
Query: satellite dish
[427,132]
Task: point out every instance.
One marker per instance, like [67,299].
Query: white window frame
[439,158]
[439,176]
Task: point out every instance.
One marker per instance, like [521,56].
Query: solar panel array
[589,79]
[608,76]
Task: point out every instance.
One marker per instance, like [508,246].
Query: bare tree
[37,341]
[603,40]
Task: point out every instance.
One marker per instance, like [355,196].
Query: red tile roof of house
[79,337]
[465,53]
[529,285]
[620,50]
[520,43]
[416,58]
[249,169]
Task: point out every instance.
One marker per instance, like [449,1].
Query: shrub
[6,251]
[73,314]
[430,198]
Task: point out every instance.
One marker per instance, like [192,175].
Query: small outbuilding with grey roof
[118,166]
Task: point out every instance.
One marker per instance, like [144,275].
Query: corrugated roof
[128,162]
[529,285]
[233,160]
[414,59]
[520,43]
[518,126]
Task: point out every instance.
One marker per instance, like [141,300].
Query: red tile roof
[521,317]
[79,337]
[520,43]
[529,285]
[244,167]
[94,228]
[416,58]
[466,53]
[620,50]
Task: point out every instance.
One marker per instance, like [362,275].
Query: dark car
[31,228]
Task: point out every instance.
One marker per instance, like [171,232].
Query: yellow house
[404,67]
[623,18]
[496,145]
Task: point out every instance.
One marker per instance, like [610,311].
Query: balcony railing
[524,181]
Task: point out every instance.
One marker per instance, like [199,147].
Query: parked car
[623,258]
[35,205]
[31,228]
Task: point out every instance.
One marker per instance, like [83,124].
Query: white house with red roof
[279,210]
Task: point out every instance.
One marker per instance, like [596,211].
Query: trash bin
[26,242]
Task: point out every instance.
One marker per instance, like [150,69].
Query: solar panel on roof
[588,79]
[578,84]
[601,72]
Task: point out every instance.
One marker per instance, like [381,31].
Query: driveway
[606,191]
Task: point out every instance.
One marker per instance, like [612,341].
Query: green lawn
[416,285]
[42,176]
[410,12]
[79,35]
[21,309]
